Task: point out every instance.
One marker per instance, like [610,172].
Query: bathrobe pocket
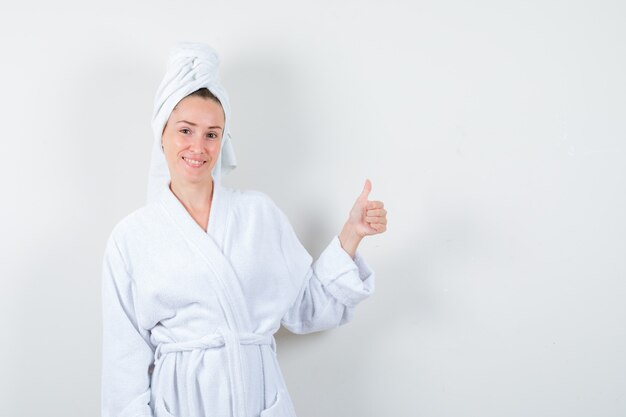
[278,408]
[161,409]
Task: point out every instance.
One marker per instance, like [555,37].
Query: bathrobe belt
[231,341]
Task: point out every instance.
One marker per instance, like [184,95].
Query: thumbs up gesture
[366,218]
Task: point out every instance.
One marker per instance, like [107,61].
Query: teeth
[193,162]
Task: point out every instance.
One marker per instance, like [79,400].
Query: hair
[204,93]
[208,95]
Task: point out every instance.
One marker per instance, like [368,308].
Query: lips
[194,163]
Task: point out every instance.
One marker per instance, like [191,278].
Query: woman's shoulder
[255,203]
[138,219]
[251,198]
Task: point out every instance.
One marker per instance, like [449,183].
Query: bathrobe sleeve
[126,350]
[330,288]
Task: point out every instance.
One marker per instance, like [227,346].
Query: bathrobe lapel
[222,277]
[208,246]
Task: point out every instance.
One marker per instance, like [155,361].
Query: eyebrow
[193,124]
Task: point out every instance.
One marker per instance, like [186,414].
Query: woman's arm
[332,287]
[126,350]
[340,278]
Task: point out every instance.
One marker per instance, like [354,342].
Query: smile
[194,163]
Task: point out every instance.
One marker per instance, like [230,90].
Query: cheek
[214,148]
[169,141]
[171,147]
[177,141]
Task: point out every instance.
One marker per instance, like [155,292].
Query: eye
[212,135]
[184,130]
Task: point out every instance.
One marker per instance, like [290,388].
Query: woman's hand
[366,218]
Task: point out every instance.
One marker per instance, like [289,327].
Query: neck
[195,197]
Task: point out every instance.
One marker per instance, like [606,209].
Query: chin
[196,178]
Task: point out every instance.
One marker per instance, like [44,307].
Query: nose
[196,144]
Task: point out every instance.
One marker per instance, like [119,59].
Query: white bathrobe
[189,316]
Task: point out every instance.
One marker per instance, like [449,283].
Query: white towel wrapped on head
[191,66]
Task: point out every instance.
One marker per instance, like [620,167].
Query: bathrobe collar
[218,216]
[209,246]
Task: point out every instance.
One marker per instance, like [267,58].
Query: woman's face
[192,139]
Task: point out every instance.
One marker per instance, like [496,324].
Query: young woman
[196,282]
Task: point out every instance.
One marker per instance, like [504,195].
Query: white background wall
[493,131]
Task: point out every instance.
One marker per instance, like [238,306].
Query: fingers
[375,204]
[378,227]
[375,220]
[376,216]
[376,212]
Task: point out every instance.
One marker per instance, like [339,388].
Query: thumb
[366,190]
